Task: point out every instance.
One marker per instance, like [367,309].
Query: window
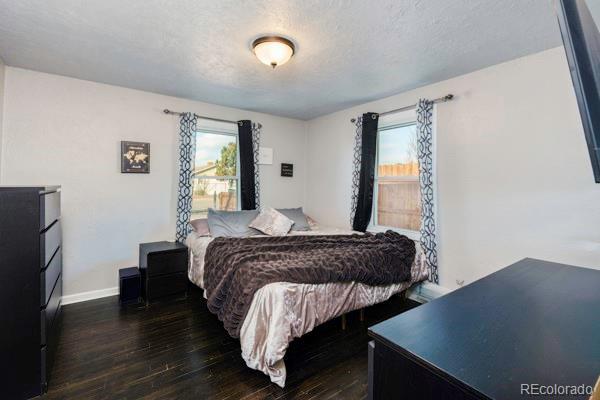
[397,194]
[215,180]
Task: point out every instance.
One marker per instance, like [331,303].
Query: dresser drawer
[44,368]
[50,240]
[167,262]
[49,209]
[49,313]
[166,285]
[49,276]
[48,352]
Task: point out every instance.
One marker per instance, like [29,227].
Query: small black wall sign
[135,157]
[287,170]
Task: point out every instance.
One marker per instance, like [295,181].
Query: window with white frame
[397,194]
[216,176]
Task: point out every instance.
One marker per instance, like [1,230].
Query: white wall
[65,131]
[514,177]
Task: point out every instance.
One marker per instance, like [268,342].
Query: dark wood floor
[177,349]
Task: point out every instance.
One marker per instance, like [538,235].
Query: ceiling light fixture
[273,50]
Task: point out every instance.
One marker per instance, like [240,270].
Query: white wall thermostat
[265,155]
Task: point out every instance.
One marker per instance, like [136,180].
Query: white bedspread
[283,311]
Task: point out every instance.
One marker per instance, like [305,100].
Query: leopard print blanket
[235,268]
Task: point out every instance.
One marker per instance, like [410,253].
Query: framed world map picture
[135,157]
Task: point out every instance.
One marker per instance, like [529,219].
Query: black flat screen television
[579,21]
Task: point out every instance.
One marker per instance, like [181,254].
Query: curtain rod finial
[166,111]
[448,97]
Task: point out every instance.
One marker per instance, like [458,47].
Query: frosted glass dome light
[273,50]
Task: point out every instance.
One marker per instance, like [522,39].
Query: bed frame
[361,315]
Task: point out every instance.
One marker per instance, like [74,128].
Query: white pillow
[272,222]
[314,225]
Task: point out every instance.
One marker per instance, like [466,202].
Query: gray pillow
[296,215]
[231,223]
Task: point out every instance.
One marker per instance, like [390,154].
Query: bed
[282,311]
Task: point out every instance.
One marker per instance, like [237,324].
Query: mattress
[283,311]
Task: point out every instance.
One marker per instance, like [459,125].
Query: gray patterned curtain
[356,167]
[426,175]
[256,127]
[187,152]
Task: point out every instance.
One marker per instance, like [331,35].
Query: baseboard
[91,295]
[427,291]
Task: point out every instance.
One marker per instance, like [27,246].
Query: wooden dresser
[30,287]
[514,334]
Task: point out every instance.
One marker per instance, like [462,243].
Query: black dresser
[514,334]
[163,269]
[30,287]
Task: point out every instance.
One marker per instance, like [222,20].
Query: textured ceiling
[348,51]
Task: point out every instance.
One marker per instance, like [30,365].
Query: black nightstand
[163,268]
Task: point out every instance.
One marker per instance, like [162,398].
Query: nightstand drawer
[166,285]
[167,263]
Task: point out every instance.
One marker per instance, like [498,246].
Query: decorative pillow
[200,226]
[272,222]
[296,215]
[314,225]
[231,223]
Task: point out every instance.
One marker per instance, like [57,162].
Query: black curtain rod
[443,99]
[167,111]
